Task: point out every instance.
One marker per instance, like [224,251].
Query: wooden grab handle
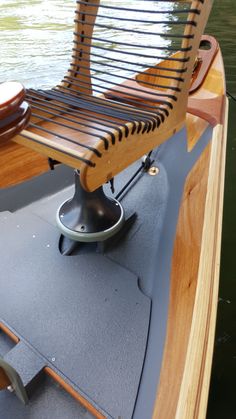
[205,58]
[14,112]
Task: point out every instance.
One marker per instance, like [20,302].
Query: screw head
[153,171]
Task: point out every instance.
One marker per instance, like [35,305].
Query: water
[222,393]
[35,39]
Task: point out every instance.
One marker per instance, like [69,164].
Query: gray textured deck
[86,312]
[90,311]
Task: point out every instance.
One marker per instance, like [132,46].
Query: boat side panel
[178,162]
[185,264]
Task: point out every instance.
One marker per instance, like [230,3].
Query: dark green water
[222,399]
[29,31]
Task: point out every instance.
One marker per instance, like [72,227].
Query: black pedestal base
[90,216]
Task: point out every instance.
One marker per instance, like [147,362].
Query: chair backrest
[112,42]
[136,57]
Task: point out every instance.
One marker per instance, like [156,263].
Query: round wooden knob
[13,124]
[12,95]
[14,112]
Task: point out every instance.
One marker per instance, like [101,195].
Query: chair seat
[84,122]
[102,135]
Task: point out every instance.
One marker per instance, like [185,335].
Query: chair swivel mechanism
[117,101]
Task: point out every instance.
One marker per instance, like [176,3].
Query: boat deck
[91,318]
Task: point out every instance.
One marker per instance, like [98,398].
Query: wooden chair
[99,125]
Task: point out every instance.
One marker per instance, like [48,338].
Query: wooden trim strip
[74,393]
[204,381]
[9,333]
[4,380]
[57,378]
[185,375]
[196,378]
[184,274]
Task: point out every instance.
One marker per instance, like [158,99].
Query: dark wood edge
[9,333]
[56,377]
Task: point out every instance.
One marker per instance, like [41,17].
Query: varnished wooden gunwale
[196,377]
[183,388]
[185,264]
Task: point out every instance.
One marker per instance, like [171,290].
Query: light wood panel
[195,384]
[185,264]
[185,375]
[18,163]
[195,128]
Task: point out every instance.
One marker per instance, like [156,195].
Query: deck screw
[153,171]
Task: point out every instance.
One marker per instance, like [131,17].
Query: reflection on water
[36,38]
